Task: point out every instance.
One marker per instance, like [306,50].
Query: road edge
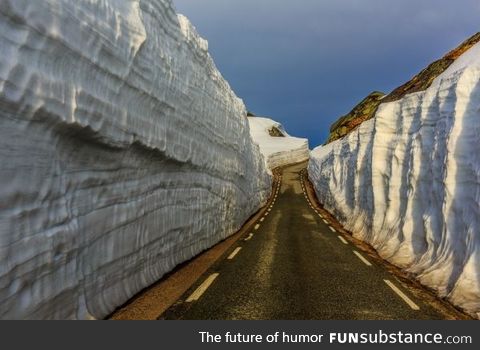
[408,281]
[151,302]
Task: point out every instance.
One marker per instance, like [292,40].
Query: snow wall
[278,151]
[408,182]
[123,153]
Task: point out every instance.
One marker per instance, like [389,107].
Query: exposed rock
[424,79]
[275,132]
[362,112]
[367,108]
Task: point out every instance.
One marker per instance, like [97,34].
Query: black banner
[241,334]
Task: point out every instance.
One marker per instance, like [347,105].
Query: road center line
[344,241]
[202,288]
[360,256]
[250,236]
[234,253]
[402,295]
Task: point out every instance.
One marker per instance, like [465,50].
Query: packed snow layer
[278,151]
[408,182]
[124,152]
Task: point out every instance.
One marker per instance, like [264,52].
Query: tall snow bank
[408,182]
[124,152]
[278,150]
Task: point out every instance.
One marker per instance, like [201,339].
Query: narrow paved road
[294,266]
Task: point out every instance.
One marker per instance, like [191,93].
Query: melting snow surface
[408,182]
[123,153]
[277,151]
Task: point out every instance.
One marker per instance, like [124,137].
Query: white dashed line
[325,221]
[402,295]
[360,256]
[234,253]
[332,229]
[250,236]
[202,288]
[256,226]
[344,241]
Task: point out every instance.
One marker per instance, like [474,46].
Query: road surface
[293,265]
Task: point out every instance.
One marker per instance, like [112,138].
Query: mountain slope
[420,82]
[365,110]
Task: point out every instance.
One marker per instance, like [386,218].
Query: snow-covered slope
[277,150]
[408,182]
[123,152]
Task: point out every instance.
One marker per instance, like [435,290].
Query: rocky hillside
[360,113]
[425,78]
[420,82]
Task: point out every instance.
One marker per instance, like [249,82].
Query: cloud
[306,62]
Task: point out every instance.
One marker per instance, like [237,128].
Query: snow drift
[408,182]
[280,149]
[124,152]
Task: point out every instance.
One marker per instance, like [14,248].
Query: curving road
[293,265]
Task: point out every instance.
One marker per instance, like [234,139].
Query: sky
[305,63]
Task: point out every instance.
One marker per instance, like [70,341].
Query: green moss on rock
[363,111]
[425,78]
[366,109]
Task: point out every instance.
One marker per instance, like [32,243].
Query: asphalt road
[292,265]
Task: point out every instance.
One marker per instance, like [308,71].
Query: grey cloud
[306,62]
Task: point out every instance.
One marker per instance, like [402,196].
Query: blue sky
[306,62]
